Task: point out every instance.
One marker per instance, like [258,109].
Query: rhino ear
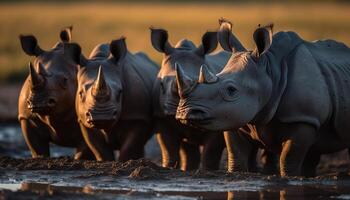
[66,34]
[118,48]
[159,39]
[209,43]
[263,39]
[73,51]
[30,45]
[226,38]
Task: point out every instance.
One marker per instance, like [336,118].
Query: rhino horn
[100,87]
[184,83]
[35,77]
[206,76]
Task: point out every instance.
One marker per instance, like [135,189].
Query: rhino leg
[169,144]
[298,138]
[84,153]
[36,138]
[190,156]
[270,162]
[212,151]
[239,151]
[95,140]
[310,164]
[137,136]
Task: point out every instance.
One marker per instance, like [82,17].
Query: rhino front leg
[190,156]
[95,140]
[270,162]
[137,136]
[84,153]
[169,144]
[297,141]
[239,151]
[310,164]
[36,139]
[212,151]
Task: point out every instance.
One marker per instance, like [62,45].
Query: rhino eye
[64,82]
[119,94]
[81,94]
[229,92]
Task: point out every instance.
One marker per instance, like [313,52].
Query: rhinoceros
[114,101]
[293,94]
[46,101]
[173,136]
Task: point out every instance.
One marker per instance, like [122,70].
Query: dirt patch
[135,169]
[143,169]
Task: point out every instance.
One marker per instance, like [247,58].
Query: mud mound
[139,169]
[135,169]
[63,163]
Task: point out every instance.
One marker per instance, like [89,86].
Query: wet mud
[62,177]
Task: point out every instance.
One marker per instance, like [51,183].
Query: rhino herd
[288,97]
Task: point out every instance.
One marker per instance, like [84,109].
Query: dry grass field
[95,23]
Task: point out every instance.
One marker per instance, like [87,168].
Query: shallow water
[81,182]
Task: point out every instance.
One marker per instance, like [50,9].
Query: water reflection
[272,192]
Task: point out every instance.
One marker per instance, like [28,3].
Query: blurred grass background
[96,22]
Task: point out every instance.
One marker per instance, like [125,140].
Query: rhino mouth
[41,105]
[40,108]
[195,122]
[169,109]
[169,112]
[99,124]
[193,117]
[98,119]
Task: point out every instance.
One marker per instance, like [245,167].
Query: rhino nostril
[88,114]
[196,113]
[29,103]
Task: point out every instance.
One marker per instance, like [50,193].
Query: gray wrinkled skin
[114,102]
[180,143]
[291,92]
[46,103]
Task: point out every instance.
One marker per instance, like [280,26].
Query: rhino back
[333,58]
[139,74]
[318,86]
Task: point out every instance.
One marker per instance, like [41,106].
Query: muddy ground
[61,177]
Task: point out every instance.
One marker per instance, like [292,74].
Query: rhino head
[99,96]
[52,75]
[236,95]
[184,54]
